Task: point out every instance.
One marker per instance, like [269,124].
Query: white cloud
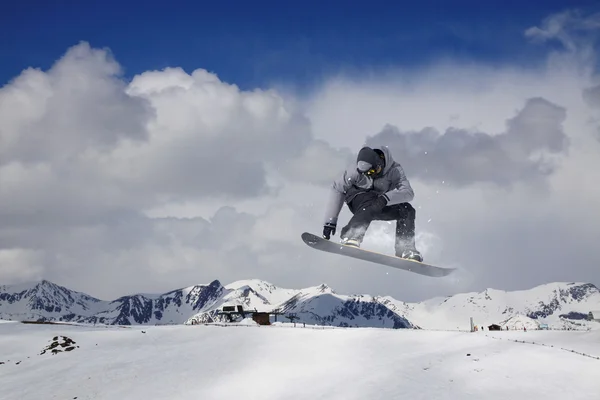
[571,28]
[20,265]
[78,105]
[178,178]
[461,157]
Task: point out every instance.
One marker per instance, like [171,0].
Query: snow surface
[248,321]
[586,342]
[520,322]
[282,362]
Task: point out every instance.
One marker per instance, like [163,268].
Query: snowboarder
[375,189]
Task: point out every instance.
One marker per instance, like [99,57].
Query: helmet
[369,162]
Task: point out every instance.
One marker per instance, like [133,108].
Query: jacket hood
[389,160]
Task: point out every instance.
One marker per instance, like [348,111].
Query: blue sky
[257,43]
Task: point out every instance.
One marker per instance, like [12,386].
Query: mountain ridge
[561,305]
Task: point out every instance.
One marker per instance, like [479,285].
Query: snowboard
[320,243]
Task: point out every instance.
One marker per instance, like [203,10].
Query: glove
[328,230]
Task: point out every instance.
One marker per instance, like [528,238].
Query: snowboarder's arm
[337,193]
[402,191]
[334,206]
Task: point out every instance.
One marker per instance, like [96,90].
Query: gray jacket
[392,182]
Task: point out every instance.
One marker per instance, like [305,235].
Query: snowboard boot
[350,242]
[411,254]
[352,235]
[405,248]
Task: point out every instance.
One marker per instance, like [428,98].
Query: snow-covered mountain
[46,301]
[318,305]
[560,305]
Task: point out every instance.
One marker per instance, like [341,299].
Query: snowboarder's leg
[404,214]
[354,232]
[405,232]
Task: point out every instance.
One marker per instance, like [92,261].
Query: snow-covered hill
[211,362]
[560,305]
[314,305]
[520,322]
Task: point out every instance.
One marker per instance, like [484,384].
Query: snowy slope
[583,342]
[520,322]
[254,362]
[560,305]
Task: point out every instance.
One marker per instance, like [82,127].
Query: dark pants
[404,214]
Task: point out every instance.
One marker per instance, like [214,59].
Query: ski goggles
[367,169]
[372,171]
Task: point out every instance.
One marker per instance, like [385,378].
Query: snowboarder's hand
[382,201]
[328,230]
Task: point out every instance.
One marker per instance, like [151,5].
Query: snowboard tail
[319,243]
